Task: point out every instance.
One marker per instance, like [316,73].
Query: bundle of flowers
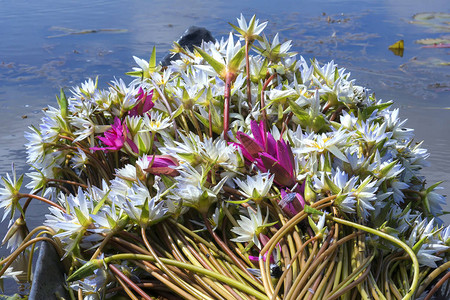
[240,171]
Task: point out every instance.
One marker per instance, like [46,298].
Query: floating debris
[397,48]
[70,31]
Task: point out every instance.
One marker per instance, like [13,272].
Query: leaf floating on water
[397,48]
[435,41]
[437,46]
[70,31]
[438,21]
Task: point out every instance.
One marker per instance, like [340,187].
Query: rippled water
[50,44]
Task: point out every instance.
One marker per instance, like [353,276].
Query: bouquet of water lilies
[240,171]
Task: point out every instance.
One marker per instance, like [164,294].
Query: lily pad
[434,41]
[438,21]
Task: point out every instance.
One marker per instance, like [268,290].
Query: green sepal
[217,66]
[312,211]
[63,104]
[100,203]
[300,113]
[332,186]
[431,188]
[135,73]
[241,32]
[309,194]
[81,218]
[86,270]
[235,62]
[177,112]
[152,61]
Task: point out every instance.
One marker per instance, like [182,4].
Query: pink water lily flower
[163,164]
[269,155]
[116,137]
[143,104]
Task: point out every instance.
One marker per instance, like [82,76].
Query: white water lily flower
[35,145]
[435,201]
[365,195]
[253,25]
[321,143]
[155,122]
[256,187]
[219,152]
[141,207]
[80,160]
[87,89]
[348,121]
[10,273]
[191,189]
[9,199]
[75,219]
[250,228]
[85,127]
[373,133]
[396,188]
[432,245]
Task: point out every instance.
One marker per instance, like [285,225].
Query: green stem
[247,62]
[199,270]
[10,259]
[168,272]
[226,106]
[393,240]
[45,200]
[432,276]
[122,276]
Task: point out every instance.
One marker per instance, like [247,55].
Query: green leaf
[386,169]
[217,66]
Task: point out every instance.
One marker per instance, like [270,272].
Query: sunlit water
[45,45]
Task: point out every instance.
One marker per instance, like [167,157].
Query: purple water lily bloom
[269,155]
[163,164]
[143,104]
[116,137]
[291,202]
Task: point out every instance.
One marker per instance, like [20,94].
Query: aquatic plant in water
[237,172]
